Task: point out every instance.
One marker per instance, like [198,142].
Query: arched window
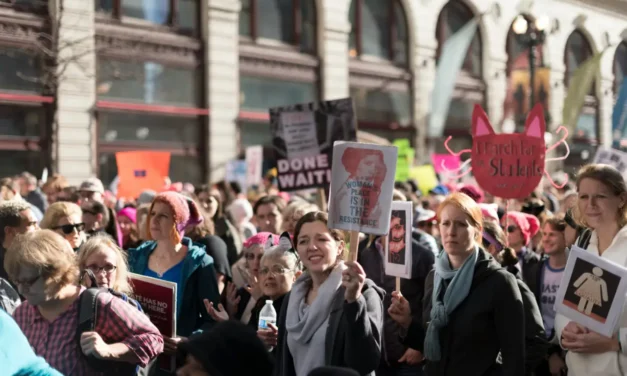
[380,81]
[453,17]
[379,29]
[292,22]
[620,66]
[469,87]
[586,137]
[518,98]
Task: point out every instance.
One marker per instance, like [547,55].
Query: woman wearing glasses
[521,228]
[66,219]
[107,262]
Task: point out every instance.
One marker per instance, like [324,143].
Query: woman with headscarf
[172,257]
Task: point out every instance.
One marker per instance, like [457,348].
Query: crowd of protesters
[480,301]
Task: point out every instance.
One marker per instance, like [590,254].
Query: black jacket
[353,337]
[413,289]
[530,260]
[490,320]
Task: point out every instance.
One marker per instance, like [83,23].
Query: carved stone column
[74,126]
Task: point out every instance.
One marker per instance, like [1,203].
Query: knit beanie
[473,192]
[528,224]
[229,348]
[186,212]
[130,213]
[490,211]
[261,238]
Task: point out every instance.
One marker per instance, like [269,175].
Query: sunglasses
[511,228]
[68,229]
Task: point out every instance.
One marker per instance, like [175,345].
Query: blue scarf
[457,291]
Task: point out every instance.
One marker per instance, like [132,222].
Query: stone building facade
[195,77]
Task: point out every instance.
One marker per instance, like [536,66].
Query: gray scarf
[303,322]
[456,293]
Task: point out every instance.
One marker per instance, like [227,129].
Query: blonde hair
[294,207]
[96,244]
[59,210]
[609,177]
[56,183]
[46,251]
[467,205]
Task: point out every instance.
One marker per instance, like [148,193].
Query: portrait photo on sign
[361,187]
[592,291]
[398,243]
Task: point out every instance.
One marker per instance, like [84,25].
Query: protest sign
[425,176]
[612,157]
[361,189]
[141,170]
[508,165]
[236,170]
[444,162]
[158,299]
[254,162]
[398,249]
[303,137]
[592,291]
[405,159]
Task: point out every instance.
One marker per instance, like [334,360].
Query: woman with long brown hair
[333,315]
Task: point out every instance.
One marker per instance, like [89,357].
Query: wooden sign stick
[354,246]
[322,200]
[398,284]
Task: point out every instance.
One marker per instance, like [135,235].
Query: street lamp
[530,35]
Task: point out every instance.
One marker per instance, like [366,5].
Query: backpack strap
[584,239]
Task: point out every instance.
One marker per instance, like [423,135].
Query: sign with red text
[303,137]
[158,300]
[397,245]
[360,198]
[508,165]
[254,163]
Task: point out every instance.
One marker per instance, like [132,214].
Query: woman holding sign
[172,257]
[334,315]
[472,307]
[601,206]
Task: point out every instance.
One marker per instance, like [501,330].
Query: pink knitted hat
[527,223]
[186,213]
[261,239]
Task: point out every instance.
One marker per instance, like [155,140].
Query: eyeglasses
[28,283]
[97,269]
[511,228]
[275,270]
[252,256]
[68,229]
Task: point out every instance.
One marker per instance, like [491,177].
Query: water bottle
[267,316]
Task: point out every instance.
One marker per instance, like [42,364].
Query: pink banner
[450,161]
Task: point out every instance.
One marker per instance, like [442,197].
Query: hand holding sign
[353,279]
[399,310]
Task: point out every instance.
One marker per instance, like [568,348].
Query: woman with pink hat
[521,227]
[172,257]
[127,218]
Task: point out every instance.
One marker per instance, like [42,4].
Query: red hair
[351,159]
[467,205]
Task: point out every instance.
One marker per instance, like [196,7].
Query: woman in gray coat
[333,315]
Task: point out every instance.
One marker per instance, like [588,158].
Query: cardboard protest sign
[612,157]
[254,163]
[426,178]
[398,242]
[303,137]
[141,170]
[158,299]
[236,170]
[444,162]
[592,291]
[405,159]
[360,197]
[508,165]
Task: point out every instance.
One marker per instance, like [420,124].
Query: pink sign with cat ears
[509,165]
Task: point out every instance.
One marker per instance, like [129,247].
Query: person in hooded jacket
[333,316]
[474,311]
[602,207]
[170,256]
